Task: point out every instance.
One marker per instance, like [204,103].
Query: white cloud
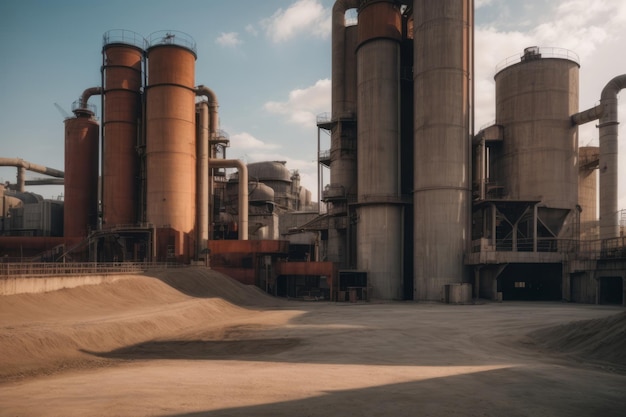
[302,17]
[229,40]
[482,3]
[245,141]
[252,30]
[303,105]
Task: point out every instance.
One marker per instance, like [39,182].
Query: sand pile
[42,333]
[598,340]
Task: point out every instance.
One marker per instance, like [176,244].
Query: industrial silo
[122,56]
[535,98]
[588,161]
[170,138]
[342,187]
[379,211]
[443,31]
[81,174]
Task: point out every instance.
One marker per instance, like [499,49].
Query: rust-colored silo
[81,175]
[122,56]
[535,98]
[170,137]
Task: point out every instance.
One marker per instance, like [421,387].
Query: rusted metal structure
[171,137]
[122,81]
[80,214]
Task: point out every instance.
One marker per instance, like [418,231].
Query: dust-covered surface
[599,340]
[192,342]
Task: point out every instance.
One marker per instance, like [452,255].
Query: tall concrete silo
[343,143]
[122,56]
[170,137]
[379,246]
[80,212]
[535,99]
[443,31]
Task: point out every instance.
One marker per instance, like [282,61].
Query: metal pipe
[92,91]
[22,166]
[202,90]
[209,122]
[588,115]
[243,190]
[202,177]
[609,222]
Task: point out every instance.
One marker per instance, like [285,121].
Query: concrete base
[457,293]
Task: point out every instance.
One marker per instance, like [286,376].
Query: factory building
[420,204]
[431,209]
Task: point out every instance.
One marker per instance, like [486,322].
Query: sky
[269,63]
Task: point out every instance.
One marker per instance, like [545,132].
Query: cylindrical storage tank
[170,133]
[380,212]
[588,157]
[80,212]
[443,31]
[535,99]
[122,56]
[343,141]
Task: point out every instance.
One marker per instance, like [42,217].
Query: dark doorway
[531,282]
[611,290]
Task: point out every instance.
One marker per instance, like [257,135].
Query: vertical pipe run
[202,143]
[207,130]
[609,221]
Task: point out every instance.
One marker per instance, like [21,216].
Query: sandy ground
[195,343]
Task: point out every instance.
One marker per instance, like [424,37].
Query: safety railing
[538,53]
[78,268]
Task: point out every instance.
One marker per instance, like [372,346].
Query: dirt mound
[598,340]
[45,332]
[207,283]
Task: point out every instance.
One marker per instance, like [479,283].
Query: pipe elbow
[613,87]
[92,91]
[202,90]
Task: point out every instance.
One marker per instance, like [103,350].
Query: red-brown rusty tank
[171,134]
[81,175]
[122,55]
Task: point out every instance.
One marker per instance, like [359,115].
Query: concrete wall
[36,285]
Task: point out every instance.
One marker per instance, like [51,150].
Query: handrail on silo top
[538,53]
[124,36]
[172,37]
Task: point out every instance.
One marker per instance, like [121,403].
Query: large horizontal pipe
[20,163]
[243,190]
[46,181]
[588,115]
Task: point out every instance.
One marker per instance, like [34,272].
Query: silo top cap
[172,37]
[536,52]
[125,37]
